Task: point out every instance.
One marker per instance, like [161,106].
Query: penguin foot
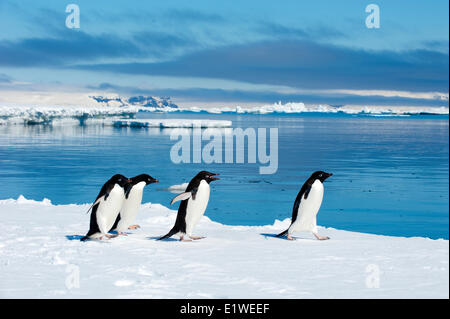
[290,238]
[121,233]
[109,236]
[196,237]
[134,227]
[182,239]
[321,237]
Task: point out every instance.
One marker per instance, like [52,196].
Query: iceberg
[92,107]
[172,123]
[298,108]
[177,189]
[117,107]
[47,114]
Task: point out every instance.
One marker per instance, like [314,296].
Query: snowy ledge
[49,114]
[39,251]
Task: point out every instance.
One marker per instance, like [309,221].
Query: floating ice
[49,114]
[178,188]
[290,108]
[104,110]
[171,123]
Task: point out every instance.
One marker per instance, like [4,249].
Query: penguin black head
[207,176]
[320,175]
[143,178]
[119,179]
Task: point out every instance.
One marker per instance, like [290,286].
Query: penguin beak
[155,181]
[213,177]
[329,175]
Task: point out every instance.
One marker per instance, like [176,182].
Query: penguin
[193,205]
[133,199]
[107,206]
[307,205]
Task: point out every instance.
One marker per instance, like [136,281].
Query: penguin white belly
[308,209]
[108,209]
[196,207]
[130,207]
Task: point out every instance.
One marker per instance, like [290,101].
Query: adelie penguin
[107,206]
[192,207]
[306,206]
[133,199]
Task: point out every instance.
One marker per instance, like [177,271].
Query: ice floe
[42,257]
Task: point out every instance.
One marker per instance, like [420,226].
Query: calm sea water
[391,175]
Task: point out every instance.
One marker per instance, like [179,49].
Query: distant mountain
[144,101]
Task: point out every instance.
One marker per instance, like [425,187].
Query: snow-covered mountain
[142,101]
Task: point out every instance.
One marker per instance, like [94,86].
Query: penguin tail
[282,233]
[84,238]
[172,232]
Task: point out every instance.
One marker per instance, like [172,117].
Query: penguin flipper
[104,194]
[182,196]
[95,203]
[93,227]
[115,223]
[303,194]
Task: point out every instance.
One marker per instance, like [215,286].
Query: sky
[317,52]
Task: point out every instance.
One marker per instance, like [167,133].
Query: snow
[71,97]
[42,108]
[143,101]
[50,114]
[172,123]
[42,257]
[118,116]
[298,107]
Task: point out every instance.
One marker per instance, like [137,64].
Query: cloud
[289,56]
[439,45]
[163,45]
[280,31]
[193,16]
[304,64]
[5,78]
[70,46]
[75,46]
